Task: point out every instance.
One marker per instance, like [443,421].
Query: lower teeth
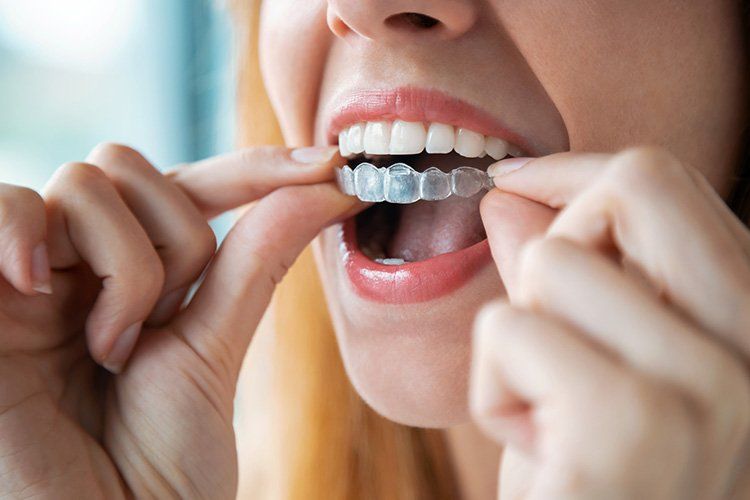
[391,262]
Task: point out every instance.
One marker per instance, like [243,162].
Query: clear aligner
[400,183]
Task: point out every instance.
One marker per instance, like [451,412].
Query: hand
[118,245]
[619,367]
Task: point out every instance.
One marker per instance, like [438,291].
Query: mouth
[438,245]
[396,234]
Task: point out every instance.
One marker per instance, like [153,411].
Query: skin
[599,380]
[573,75]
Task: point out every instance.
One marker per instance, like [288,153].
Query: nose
[393,19]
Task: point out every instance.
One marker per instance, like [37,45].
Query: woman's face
[543,75]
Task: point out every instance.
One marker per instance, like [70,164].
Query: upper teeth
[408,138]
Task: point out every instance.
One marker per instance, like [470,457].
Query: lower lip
[413,282]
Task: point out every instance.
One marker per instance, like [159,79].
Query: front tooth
[467,181]
[343,144]
[377,138]
[435,184]
[368,182]
[469,143]
[440,138]
[355,136]
[401,184]
[407,138]
[496,148]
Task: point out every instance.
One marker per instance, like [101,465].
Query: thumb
[510,222]
[220,320]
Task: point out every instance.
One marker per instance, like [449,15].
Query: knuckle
[192,254]
[148,281]
[492,320]
[79,175]
[270,266]
[110,154]
[537,259]
[495,313]
[655,418]
[204,243]
[642,169]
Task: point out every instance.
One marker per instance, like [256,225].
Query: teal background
[154,74]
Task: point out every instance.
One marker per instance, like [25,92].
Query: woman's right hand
[94,271]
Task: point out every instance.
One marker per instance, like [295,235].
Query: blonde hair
[333,445]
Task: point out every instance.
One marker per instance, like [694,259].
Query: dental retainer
[401,184]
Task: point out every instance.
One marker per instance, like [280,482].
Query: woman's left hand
[619,367]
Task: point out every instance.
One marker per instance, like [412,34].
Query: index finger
[231,180]
[557,179]
[552,180]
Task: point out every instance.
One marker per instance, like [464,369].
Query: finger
[180,233]
[263,244]
[106,236]
[510,222]
[552,180]
[595,426]
[24,262]
[519,357]
[557,179]
[228,181]
[686,251]
[584,289]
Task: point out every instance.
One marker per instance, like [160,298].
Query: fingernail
[167,306]
[315,154]
[122,348]
[504,167]
[40,271]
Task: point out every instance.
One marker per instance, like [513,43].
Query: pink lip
[413,282]
[415,104]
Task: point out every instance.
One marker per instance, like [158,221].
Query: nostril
[412,20]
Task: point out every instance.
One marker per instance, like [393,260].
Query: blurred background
[153,74]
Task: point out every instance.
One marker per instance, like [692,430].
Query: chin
[408,361]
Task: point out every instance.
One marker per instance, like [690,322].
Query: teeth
[496,148]
[469,143]
[391,262]
[355,139]
[467,181]
[344,143]
[378,138]
[400,183]
[368,182]
[409,138]
[436,184]
[515,151]
[440,138]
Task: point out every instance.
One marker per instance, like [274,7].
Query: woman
[614,364]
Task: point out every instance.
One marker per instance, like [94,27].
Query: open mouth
[416,251]
[397,234]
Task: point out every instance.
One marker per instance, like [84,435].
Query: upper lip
[417,104]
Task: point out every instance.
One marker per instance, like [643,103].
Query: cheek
[622,73]
[294,42]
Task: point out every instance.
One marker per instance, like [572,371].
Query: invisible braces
[400,183]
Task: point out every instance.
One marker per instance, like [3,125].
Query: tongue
[430,228]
